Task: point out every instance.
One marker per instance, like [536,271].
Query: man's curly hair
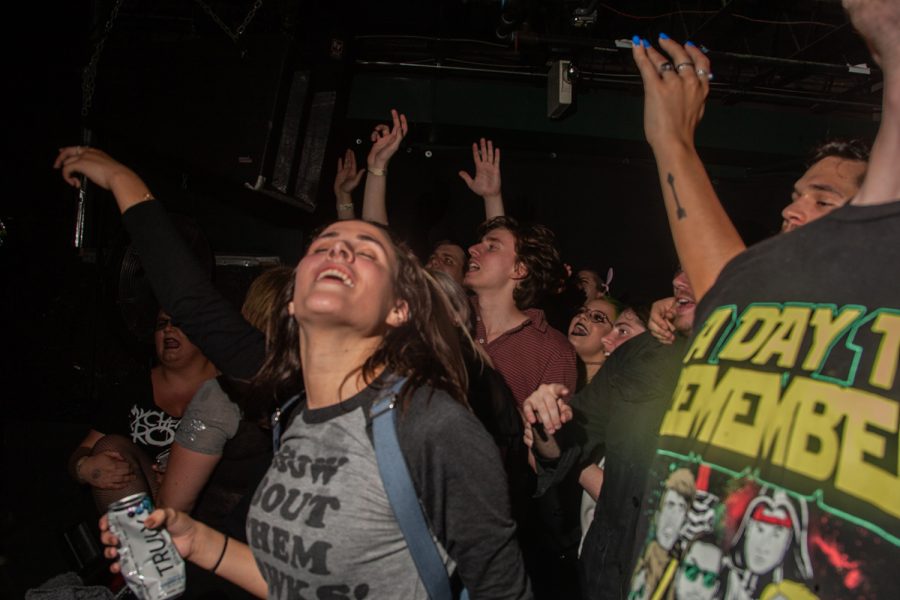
[536,249]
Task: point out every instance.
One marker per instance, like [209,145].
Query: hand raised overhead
[348,176]
[486,182]
[104,171]
[386,141]
[675,89]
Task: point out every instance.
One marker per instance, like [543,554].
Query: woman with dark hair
[136,427]
[360,313]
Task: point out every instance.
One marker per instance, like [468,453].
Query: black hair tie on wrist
[221,556]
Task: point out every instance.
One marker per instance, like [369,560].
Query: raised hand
[348,177]
[105,172]
[345,181]
[878,21]
[486,182]
[386,141]
[94,164]
[675,90]
[661,321]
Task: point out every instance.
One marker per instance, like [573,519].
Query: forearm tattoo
[679,210]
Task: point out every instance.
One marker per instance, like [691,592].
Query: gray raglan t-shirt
[320,520]
[320,524]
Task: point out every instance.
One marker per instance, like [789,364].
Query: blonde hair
[264,293]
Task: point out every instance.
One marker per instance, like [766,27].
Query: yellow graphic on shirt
[800,413]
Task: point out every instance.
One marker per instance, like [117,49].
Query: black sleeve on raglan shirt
[460,481]
[184,291]
[583,440]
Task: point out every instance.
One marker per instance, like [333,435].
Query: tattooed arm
[673,106]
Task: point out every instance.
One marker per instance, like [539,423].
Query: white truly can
[150,563]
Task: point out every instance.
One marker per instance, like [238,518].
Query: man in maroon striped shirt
[510,270]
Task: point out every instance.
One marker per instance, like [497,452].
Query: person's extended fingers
[490,152]
[645,67]
[467,178]
[700,60]
[482,151]
[157,518]
[565,411]
[358,177]
[548,398]
[680,57]
[669,322]
[380,131]
[528,412]
[475,155]
[65,153]
[558,390]
[69,170]
[548,418]
[528,436]
[340,166]
[658,59]
[395,118]
[497,157]
[404,126]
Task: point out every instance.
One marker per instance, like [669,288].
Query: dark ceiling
[798,53]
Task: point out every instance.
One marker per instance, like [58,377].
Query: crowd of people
[735,440]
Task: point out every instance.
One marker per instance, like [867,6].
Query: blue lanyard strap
[402,495]
[276,421]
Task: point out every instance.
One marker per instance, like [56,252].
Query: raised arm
[385,143]
[346,180]
[878,21]
[182,287]
[675,90]
[486,182]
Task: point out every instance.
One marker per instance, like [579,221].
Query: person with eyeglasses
[699,574]
[136,424]
[591,324]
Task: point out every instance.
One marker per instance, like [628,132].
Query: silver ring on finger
[684,65]
[701,72]
[666,67]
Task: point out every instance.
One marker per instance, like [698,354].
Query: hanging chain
[89,74]
[237,33]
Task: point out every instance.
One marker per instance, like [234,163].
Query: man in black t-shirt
[787,411]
